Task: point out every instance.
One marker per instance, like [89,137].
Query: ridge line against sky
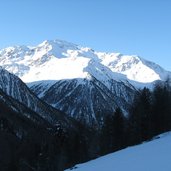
[130,27]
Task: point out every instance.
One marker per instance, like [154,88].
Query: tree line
[149,115]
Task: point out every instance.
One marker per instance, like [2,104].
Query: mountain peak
[58,43]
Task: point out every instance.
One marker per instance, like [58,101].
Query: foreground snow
[149,156]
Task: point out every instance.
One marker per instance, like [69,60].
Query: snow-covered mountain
[80,81]
[154,155]
[56,60]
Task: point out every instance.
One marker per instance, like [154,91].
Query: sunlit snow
[149,156]
[56,60]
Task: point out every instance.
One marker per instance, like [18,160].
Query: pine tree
[140,118]
[112,137]
[162,107]
[118,129]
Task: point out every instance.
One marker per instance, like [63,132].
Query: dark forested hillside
[149,115]
[28,142]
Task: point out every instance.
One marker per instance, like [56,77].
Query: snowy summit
[58,60]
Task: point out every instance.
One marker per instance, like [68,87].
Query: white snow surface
[149,156]
[58,60]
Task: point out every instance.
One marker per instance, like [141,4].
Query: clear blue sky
[141,27]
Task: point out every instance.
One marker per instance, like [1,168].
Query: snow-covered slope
[80,81]
[149,156]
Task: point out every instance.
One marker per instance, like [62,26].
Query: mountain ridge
[29,62]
